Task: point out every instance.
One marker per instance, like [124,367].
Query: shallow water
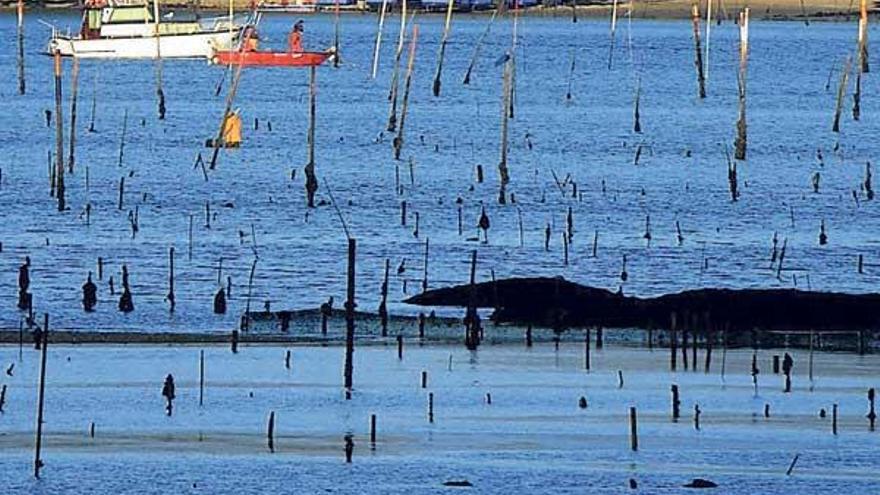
[302,254]
[532,437]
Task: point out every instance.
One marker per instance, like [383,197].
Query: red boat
[270,59]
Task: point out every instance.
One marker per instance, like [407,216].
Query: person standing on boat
[294,40]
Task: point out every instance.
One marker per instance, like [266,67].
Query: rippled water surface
[681,175]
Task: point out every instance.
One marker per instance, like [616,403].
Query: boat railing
[220,23]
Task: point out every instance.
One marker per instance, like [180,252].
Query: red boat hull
[270,59]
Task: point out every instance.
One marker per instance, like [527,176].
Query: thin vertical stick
[841,93]
[94,104]
[159,93]
[503,173]
[613,29]
[336,58]
[379,39]
[59,136]
[708,35]
[443,41]
[38,463]
[270,431]
[863,36]
[74,85]
[633,430]
[349,318]
[395,74]
[740,142]
[122,137]
[398,141]
[170,296]
[311,179]
[698,52]
[425,276]
[20,26]
[190,239]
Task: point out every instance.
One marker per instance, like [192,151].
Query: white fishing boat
[128,29]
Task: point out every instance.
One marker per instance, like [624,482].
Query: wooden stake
[311,179]
[841,93]
[395,74]
[477,47]
[59,136]
[74,89]
[20,27]
[834,419]
[38,462]
[633,430]
[425,274]
[698,51]
[94,104]
[431,407]
[373,424]
[863,36]
[170,296]
[122,137]
[613,28]
[503,173]
[349,318]
[398,141]
[270,431]
[437,75]
[586,348]
[741,141]
[159,93]
[637,124]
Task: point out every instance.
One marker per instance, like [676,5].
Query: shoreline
[787,10]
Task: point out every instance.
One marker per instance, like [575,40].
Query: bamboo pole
[20,27]
[698,52]
[841,93]
[863,36]
[708,35]
[59,136]
[398,141]
[378,46]
[613,29]
[503,172]
[395,74]
[159,93]
[479,45]
[74,90]
[38,463]
[311,179]
[740,142]
[443,42]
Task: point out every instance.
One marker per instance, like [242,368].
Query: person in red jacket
[294,40]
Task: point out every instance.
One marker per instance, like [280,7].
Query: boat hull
[194,45]
[270,59]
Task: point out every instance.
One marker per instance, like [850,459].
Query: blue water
[681,175]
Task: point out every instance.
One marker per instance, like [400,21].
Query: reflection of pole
[38,463]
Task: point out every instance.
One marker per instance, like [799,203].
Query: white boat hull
[196,45]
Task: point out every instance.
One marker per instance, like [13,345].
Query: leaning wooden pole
[74,90]
[613,29]
[378,45]
[708,35]
[398,141]
[863,36]
[230,98]
[841,93]
[20,26]
[349,318]
[740,142]
[443,41]
[698,51]
[38,463]
[311,178]
[477,48]
[59,136]
[395,74]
